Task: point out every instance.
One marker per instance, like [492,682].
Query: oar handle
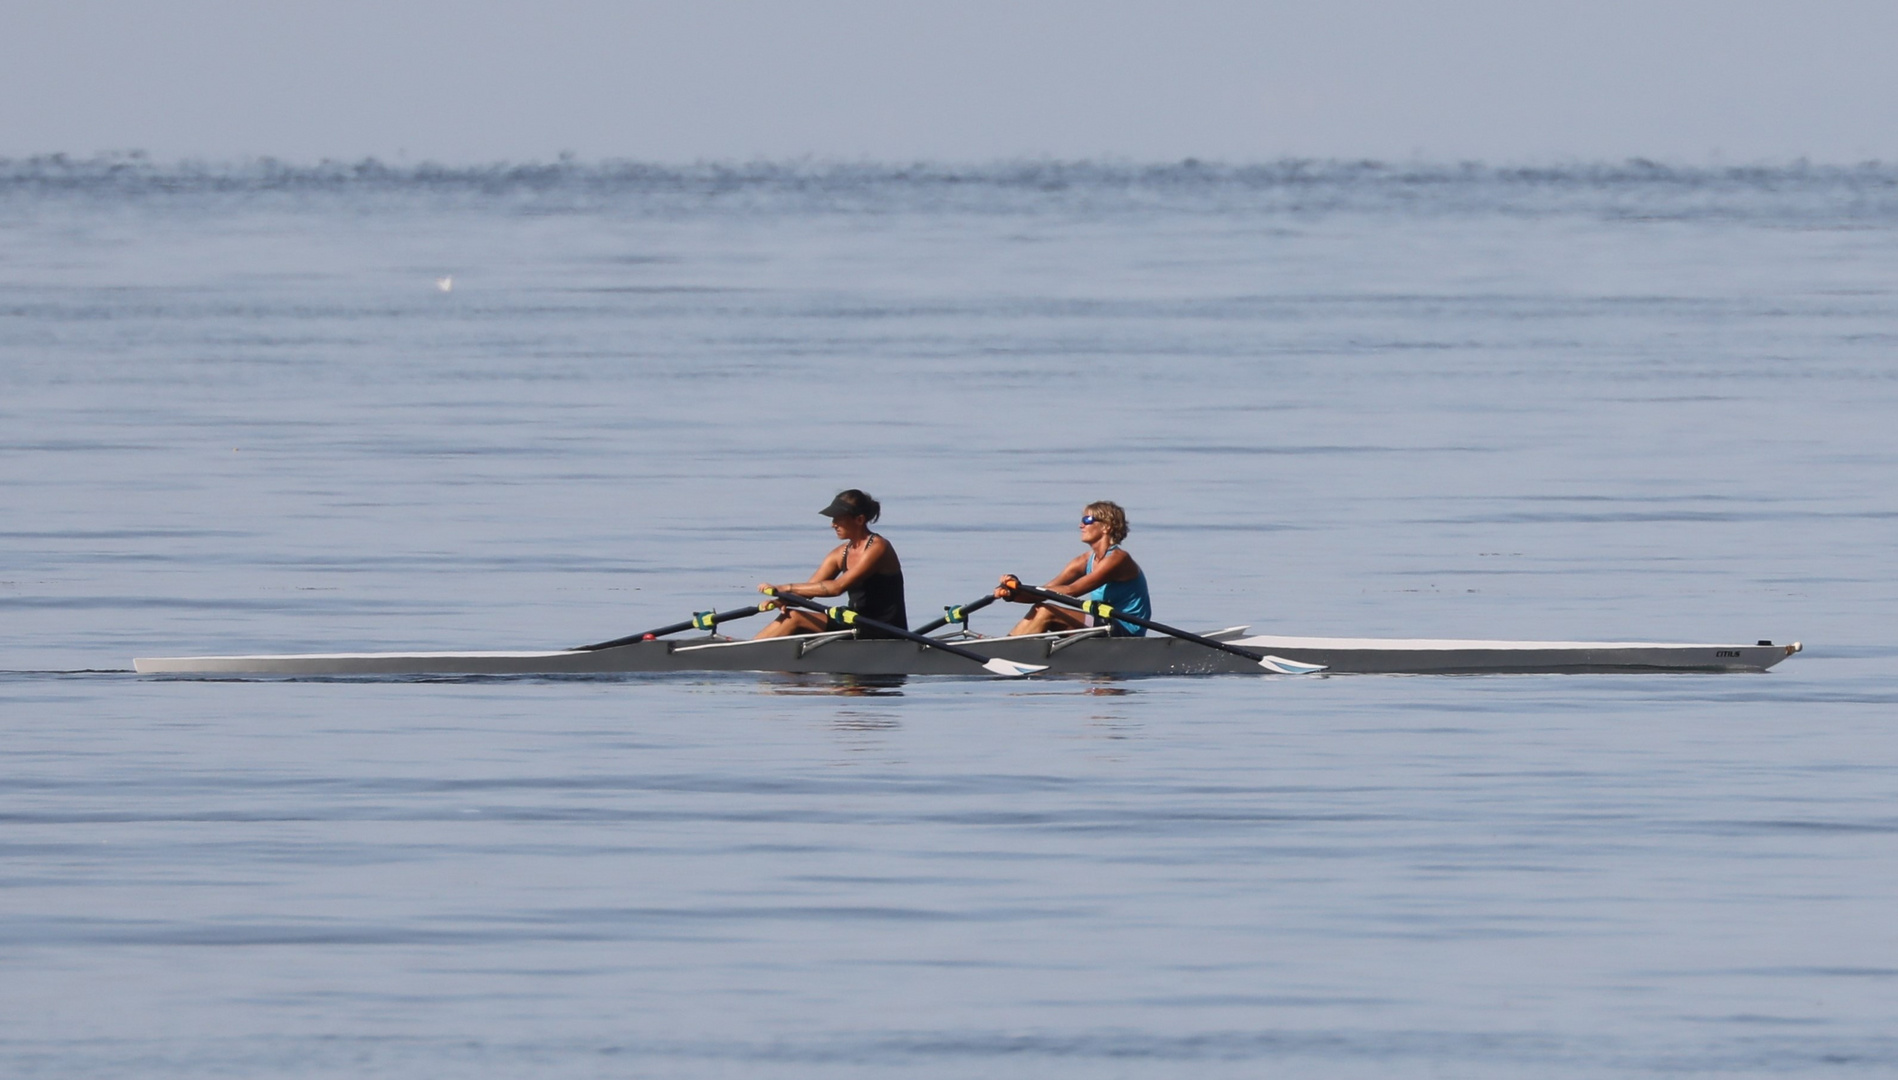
[704,620]
[1107,611]
[958,614]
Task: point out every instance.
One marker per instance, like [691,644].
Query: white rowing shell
[1071,653]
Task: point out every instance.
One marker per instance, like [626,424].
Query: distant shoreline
[1635,186]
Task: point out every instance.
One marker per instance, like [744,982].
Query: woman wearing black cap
[865,567]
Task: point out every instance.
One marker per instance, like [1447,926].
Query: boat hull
[1389,656]
[1083,654]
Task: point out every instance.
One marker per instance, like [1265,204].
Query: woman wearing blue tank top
[1104,572]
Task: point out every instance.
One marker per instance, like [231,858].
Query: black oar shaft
[852,618]
[705,621]
[1104,611]
[958,614]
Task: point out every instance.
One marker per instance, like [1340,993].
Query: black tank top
[879,597]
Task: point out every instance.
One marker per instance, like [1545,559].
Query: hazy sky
[479,80]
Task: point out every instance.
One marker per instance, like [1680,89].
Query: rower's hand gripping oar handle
[701,620]
[1277,664]
[848,617]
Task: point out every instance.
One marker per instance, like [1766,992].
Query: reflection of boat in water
[1075,652]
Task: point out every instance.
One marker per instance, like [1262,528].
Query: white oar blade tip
[1011,669]
[1282,666]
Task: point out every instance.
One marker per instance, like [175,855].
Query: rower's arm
[819,584]
[873,555]
[1114,566]
[1074,579]
[1070,576]
[832,579]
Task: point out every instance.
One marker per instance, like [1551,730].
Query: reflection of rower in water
[866,567]
[1104,573]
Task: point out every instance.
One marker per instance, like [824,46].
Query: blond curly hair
[1111,515]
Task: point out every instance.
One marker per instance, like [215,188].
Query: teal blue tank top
[1128,596]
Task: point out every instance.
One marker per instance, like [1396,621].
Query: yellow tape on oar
[842,614]
[1097,609]
[703,620]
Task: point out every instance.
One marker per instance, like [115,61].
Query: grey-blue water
[237,413]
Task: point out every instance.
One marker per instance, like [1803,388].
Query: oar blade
[1011,669]
[1281,666]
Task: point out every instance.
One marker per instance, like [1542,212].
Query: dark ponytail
[854,503]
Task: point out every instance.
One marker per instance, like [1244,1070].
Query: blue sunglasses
[1088,520]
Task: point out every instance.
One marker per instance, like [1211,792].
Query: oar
[704,620]
[1277,664]
[850,618]
[957,614]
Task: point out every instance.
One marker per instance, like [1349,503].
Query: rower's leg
[793,621]
[1043,618]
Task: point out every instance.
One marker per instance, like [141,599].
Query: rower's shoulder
[886,550]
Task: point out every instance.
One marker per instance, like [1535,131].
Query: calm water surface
[237,413]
